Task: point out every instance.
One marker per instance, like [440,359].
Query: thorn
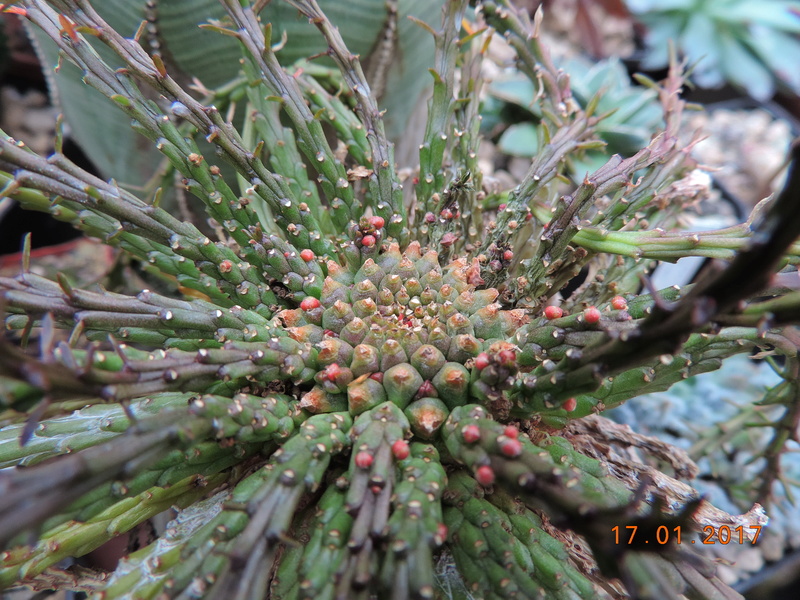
[14,10]
[26,333]
[657,300]
[423,24]
[68,27]
[159,64]
[47,339]
[64,283]
[26,253]
[231,112]
[89,359]
[58,144]
[126,408]
[33,420]
[138,35]
[119,351]
[67,357]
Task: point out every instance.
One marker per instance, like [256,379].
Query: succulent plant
[367,387]
[753,46]
[633,112]
[117,151]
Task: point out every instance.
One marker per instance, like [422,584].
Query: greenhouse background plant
[349,394]
[752,45]
[632,113]
[728,436]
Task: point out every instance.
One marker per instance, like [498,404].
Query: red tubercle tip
[377,377]
[225,266]
[484,475]
[446,214]
[368,241]
[619,303]
[400,450]
[511,432]
[481,361]
[310,303]
[426,389]
[441,533]
[508,255]
[510,447]
[471,433]
[377,222]
[591,315]
[287,254]
[570,404]
[307,255]
[364,460]
[332,372]
[553,312]
[507,357]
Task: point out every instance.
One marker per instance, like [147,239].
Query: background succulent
[729,437]
[359,390]
[752,45]
[633,113]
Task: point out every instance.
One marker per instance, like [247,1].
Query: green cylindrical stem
[77,539]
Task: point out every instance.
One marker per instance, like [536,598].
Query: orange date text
[664,535]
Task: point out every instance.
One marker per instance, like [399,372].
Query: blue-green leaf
[520,140]
[744,69]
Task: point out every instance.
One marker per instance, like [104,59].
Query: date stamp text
[711,535]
